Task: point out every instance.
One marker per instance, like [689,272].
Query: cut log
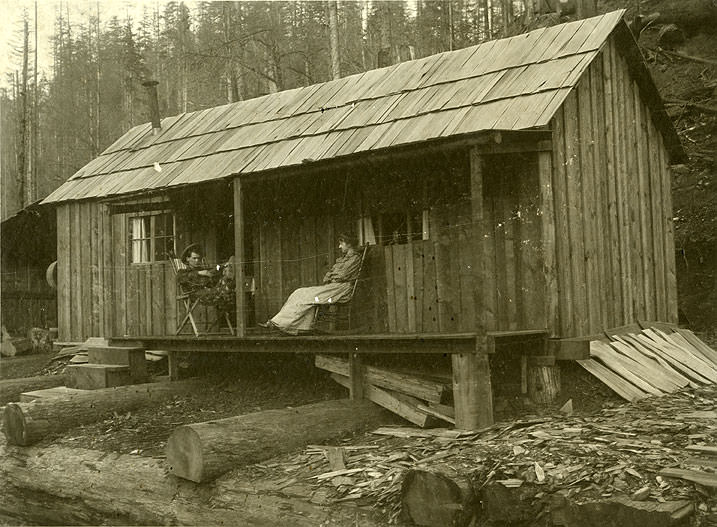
[398,403]
[11,389]
[438,496]
[203,451]
[400,382]
[543,382]
[59,485]
[27,423]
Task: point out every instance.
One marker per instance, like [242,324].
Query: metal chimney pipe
[151,86]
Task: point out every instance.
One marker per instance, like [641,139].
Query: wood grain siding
[64,273]
[610,196]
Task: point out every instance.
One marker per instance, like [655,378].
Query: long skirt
[297,312]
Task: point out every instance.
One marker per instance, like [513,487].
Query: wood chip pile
[659,450]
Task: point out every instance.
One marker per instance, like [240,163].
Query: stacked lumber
[651,361]
[414,397]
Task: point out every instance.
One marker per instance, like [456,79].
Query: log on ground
[27,423]
[202,451]
[10,389]
[58,485]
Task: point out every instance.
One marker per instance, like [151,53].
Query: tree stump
[438,496]
[543,380]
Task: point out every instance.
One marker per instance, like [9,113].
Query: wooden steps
[651,361]
[108,366]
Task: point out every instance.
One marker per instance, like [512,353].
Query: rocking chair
[190,303]
[340,312]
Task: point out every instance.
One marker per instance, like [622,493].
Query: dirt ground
[237,385]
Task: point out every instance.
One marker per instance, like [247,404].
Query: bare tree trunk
[24,163]
[334,40]
[36,125]
[98,72]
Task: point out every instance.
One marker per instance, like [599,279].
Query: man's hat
[348,238]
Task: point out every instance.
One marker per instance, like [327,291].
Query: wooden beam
[507,338]
[569,349]
[472,392]
[373,344]
[425,389]
[356,377]
[239,258]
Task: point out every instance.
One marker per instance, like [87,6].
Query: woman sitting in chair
[297,313]
[213,287]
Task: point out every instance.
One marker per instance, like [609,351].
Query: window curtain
[140,239]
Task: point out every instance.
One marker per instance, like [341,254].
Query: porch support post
[239,257]
[472,392]
[547,219]
[356,376]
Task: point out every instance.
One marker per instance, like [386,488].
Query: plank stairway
[651,361]
[108,367]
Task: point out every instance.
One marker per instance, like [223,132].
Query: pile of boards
[420,399]
[651,361]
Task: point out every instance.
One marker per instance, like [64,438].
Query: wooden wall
[610,206]
[100,293]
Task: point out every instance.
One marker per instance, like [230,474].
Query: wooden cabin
[27,248]
[521,184]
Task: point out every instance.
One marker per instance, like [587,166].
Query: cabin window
[151,237]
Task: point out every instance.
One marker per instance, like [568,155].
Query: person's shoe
[268,324]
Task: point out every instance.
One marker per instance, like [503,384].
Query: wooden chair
[190,304]
[340,312]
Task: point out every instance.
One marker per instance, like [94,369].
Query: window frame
[151,237]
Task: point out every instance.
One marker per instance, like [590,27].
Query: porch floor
[448,343]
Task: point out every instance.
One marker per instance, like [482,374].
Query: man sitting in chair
[297,313]
[213,287]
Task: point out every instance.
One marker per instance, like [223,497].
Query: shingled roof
[516,83]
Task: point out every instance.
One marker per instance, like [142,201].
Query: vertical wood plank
[240,258]
[670,271]
[548,242]
[119,284]
[88,320]
[170,300]
[94,271]
[466,247]
[472,391]
[356,377]
[510,297]
[76,243]
[446,294]
[159,310]
[644,209]
[410,289]
[478,252]
[576,223]
[418,285]
[612,225]
[64,273]
[290,266]
[589,204]
[658,237]
[108,304]
[633,195]
[399,286]
[307,252]
[430,289]
[132,302]
[562,245]
[601,195]
[623,197]
[390,289]
[272,269]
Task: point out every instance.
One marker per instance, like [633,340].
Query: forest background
[54,119]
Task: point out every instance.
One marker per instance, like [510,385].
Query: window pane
[162,247]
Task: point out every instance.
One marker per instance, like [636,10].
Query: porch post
[472,392]
[239,257]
